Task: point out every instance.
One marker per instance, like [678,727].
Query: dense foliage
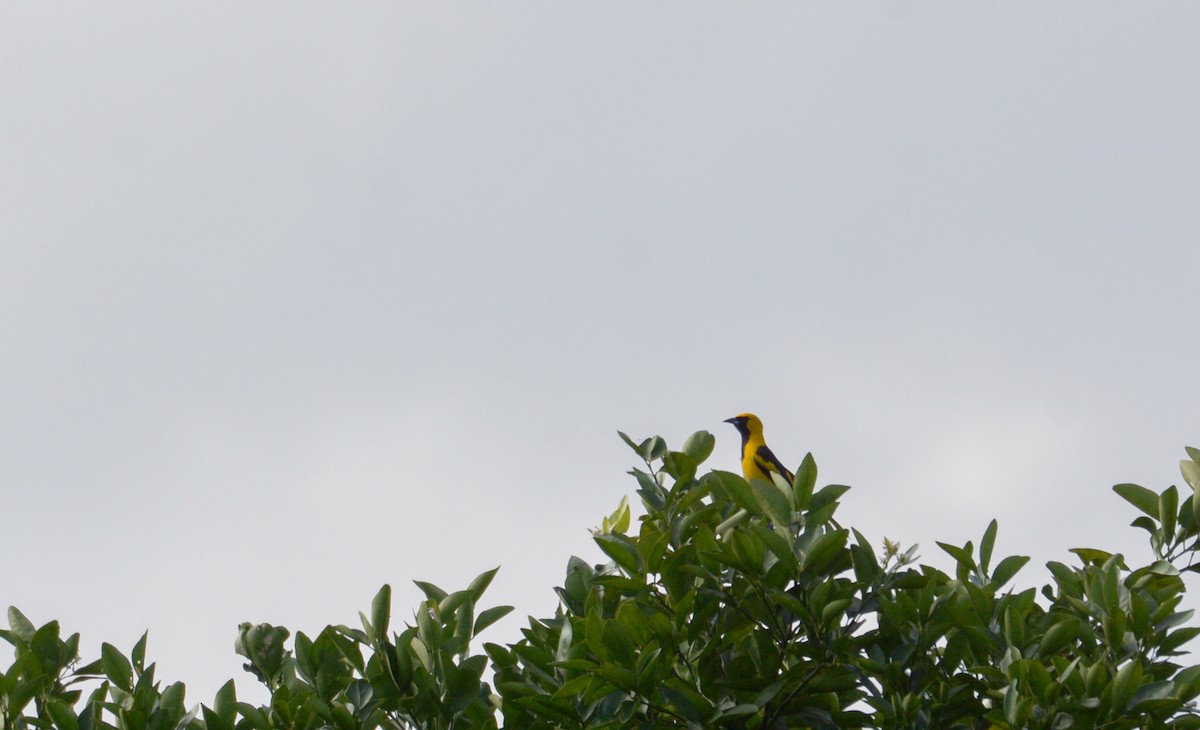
[733,604]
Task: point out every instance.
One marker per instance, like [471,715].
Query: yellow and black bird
[757,460]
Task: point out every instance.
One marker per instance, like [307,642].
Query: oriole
[757,460]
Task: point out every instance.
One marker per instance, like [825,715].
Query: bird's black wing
[769,462]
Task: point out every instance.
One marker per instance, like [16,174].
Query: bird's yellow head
[747,424]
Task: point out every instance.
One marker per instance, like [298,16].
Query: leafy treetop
[734,603]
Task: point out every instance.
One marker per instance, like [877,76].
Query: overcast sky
[302,298]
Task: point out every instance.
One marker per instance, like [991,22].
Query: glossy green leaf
[481,583]
[1145,523]
[1011,699]
[359,693]
[652,449]
[489,616]
[772,502]
[986,544]
[1140,497]
[381,614]
[1007,568]
[632,444]
[213,721]
[622,550]
[1168,510]
[825,550]
[1191,473]
[835,609]
[699,446]
[961,555]
[225,702]
[63,716]
[1057,636]
[21,627]
[432,592]
[828,494]
[738,490]
[1091,556]
[805,482]
[1126,680]
[138,655]
[116,666]
[779,545]
[679,465]
[1147,693]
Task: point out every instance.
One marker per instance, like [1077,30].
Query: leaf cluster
[742,603]
[729,603]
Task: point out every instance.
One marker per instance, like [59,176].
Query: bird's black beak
[735,420]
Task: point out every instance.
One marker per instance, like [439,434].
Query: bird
[758,461]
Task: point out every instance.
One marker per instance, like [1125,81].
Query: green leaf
[464,619]
[1145,523]
[490,616]
[22,693]
[1140,497]
[622,550]
[739,710]
[22,627]
[481,583]
[1187,683]
[986,545]
[47,647]
[116,666]
[253,717]
[138,655]
[213,721]
[961,555]
[1168,510]
[381,614]
[1178,638]
[1011,696]
[225,702]
[307,659]
[432,592]
[772,501]
[825,550]
[620,518]
[1057,636]
[1128,677]
[1150,692]
[738,490]
[1191,473]
[1091,556]
[699,446]
[359,693]
[632,444]
[828,494]
[171,698]
[679,465]
[866,565]
[806,480]
[776,543]
[619,643]
[835,608]
[652,448]
[62,715]
[1007,569]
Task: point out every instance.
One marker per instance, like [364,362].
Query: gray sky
[302,298]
